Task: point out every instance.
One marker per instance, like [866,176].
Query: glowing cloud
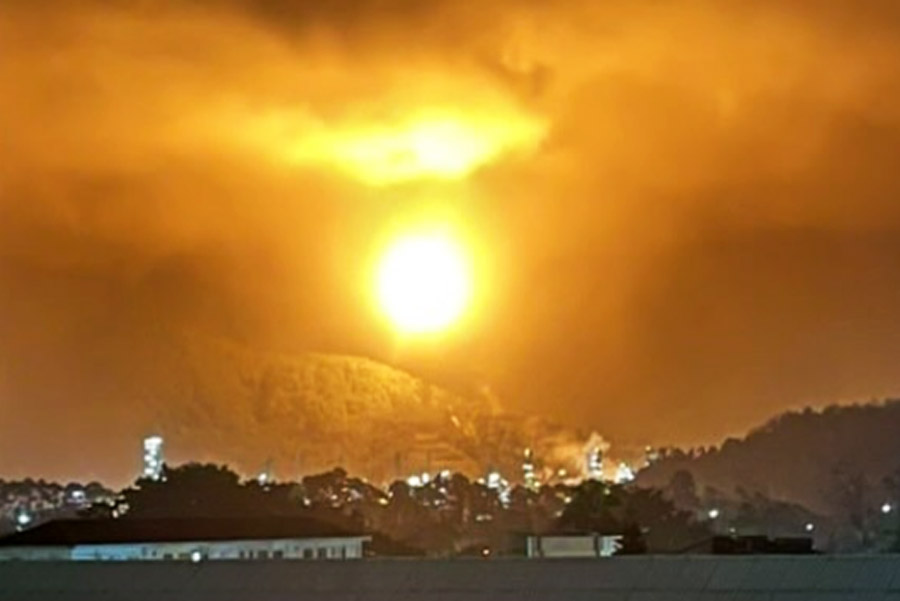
[429,144]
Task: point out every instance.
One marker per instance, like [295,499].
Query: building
[153,458]
[183,539]
[571,545]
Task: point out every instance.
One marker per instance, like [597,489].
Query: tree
[682,490]
[591,509]
[664,527]
[851,497]
[892,488]
[633,541]
[193,490]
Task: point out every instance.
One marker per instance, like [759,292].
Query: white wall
[574,546]
[35,553]
[305,548]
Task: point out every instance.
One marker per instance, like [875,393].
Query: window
[278,554]
[167,556]
[262,555]
[322,553]
[307,553]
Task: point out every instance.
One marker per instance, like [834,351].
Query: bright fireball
[424,283]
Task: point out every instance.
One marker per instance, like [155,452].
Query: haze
[685,214]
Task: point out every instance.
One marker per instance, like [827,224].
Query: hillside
[808,457]
[216,400]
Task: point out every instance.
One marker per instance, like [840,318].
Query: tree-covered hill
[828,460]
[217,400]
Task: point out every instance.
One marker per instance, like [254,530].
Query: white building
[572,545]
[183,540]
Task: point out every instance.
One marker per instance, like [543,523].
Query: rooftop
[106,531]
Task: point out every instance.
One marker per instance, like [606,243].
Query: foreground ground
[819,578]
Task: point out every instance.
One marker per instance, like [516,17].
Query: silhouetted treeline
[449,514]
[843,462]
[216,399]
[28,501]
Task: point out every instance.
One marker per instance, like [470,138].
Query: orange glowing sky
[681,217]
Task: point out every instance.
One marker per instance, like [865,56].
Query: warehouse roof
[124,530]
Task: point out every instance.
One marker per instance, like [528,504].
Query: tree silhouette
[633,541]
[194,490]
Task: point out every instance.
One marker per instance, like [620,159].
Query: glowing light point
[886,508]
[423,283]
[713,513]
[23,519]
[595,464]
[153,457]
[624,474]
[528,472]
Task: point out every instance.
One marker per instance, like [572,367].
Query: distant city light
[595,464]
[496,482]
[886,508]
[153,457]
[651,456]
[810,527]
[528,472]
[23,519]
[624,474]
[196,556]
[713,513]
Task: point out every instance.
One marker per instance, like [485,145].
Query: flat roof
[124,530]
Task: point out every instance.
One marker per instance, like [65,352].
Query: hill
[219,401]
[826,460]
